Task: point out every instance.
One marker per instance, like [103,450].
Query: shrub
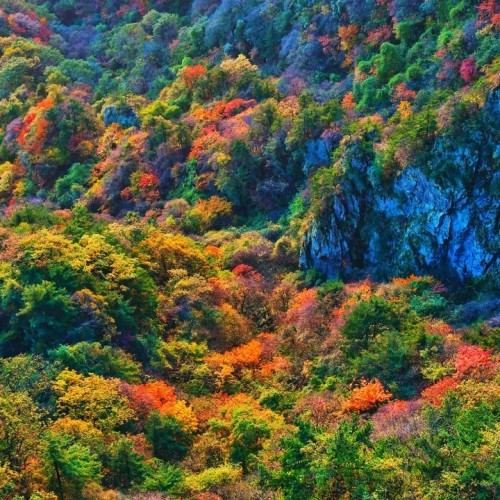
[367,397]
[213,477]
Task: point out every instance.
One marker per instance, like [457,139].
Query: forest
[249,249]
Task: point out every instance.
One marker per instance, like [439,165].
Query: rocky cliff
[441,217]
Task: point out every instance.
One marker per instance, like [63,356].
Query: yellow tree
[93,399]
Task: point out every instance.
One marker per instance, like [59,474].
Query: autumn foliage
[220,223]
[146,398]
[437,392]
[472,359]
[192,74]
[367,397]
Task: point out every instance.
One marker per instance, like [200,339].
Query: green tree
[92,357]
[169,440]
[388,358]
[82,222]
[125,464]
[341,462]
[248,431]
[46,316]
[391,61]
[70,187]
[235,178]
[163,477]
[295,477]
[70,466]
[368,319]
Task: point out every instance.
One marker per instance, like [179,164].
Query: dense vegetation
[160,164]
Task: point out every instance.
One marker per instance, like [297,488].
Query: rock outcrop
[441,218]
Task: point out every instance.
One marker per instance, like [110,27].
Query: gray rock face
[442,218]
[317,154]
[122,114]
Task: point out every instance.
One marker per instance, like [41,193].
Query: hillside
[249,249]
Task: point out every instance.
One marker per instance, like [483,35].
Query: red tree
[468,70]
[367,397]
[436,393]
[192,74]
[471,358]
